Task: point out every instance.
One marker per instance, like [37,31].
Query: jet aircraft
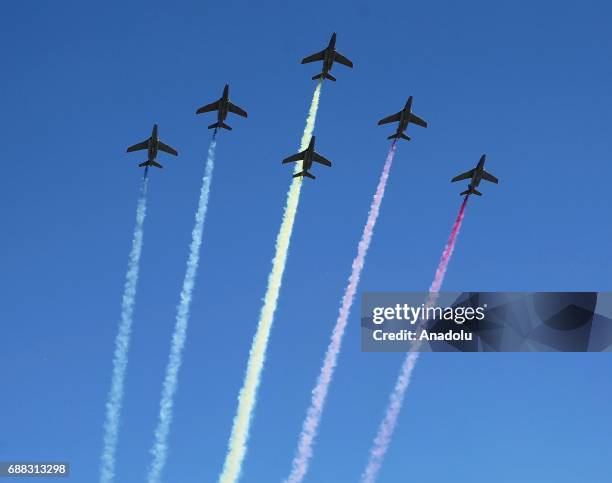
[152,145]
[328,55]
[475,176]
[405,116]
[222,106]
[307,156]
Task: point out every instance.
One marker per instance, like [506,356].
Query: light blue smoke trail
[122,344]
[160,445]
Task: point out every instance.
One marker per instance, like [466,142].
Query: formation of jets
[328,56]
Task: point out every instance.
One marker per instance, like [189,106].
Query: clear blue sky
[528,83]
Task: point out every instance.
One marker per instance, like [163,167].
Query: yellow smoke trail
[248,394]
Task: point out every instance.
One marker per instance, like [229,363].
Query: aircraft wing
[417,120]
[489,177]
[236,110]
[392,118]
[295,157]
[166,149]
[320,159]
[466,175]
[314,57]
[343,60]
[213,106]
[139,146]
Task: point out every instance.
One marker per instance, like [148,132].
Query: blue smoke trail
[160,445]
[122,344]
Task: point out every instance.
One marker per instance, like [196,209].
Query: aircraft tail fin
[472,191]
[304,173]
[150,163]
[217,125]
[400,135]
[324,75]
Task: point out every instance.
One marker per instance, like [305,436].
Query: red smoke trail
[319,393]
[448,249]
[387,427]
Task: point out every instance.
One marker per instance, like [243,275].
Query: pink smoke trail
[387,427]
[319,394]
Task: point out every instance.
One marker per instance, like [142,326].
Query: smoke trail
[387,427]
[122,344]
[448,249]
[319,394]
[248,394]
[160,445]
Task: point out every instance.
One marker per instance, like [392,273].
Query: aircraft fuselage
[222,112]
[403,122]
[328,61]
[330,54]
[223,105]
[307,162]
[477,178]
[152,147]
[152,152]
[405,116]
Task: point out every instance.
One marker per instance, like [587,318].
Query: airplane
[307,156]
[223,106]
[153,144]
[405,116]
[476,175]
[328,55]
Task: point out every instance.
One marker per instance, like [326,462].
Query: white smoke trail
[248,394]
[122,345]
[160,445]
